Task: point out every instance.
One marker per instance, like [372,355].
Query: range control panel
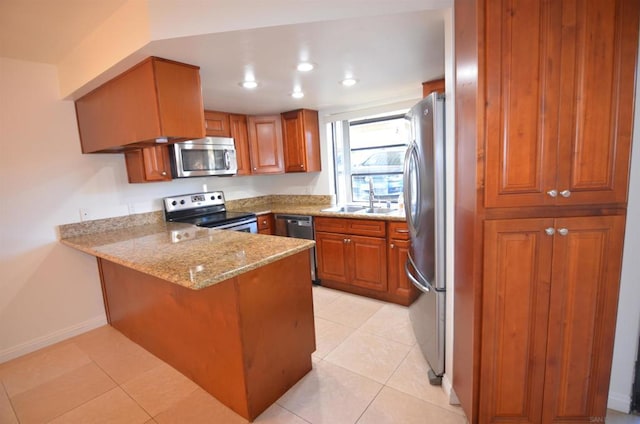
[192,201]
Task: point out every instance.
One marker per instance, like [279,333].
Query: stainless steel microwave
[204,157]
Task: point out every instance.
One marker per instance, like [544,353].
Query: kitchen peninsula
[232,311]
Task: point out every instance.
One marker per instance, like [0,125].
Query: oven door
[248,226]
[195,159]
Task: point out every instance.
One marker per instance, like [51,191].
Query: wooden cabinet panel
[216,124]
[549,309]
[265,144]
[517,273]
[156,98]
[582,316]
[150,164]
[521,119]
[332,257]
[238,130]
[301,140]
[331,225]
[429,87]
[599,49]
[368,257]
[560,83]
[399,287]
[266,224]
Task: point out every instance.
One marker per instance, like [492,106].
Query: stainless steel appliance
[204,157]
[424,196]
[299,226]
[208,210]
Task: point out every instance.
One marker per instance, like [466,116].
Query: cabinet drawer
[265,223]
[361,227]
[398,230]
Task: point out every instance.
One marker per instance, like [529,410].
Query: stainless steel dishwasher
[298,226]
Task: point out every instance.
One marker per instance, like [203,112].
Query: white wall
[48,291]
[628,326]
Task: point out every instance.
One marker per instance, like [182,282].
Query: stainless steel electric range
[207,210]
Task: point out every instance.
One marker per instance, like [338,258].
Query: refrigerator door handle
[426,287]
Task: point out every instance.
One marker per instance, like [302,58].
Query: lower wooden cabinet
[266,224]
[149,164]
[365,257]
[400,288]
[549,306]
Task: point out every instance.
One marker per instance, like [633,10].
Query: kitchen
[42,272]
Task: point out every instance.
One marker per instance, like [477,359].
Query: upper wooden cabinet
[238,129]
[429,87]
[148,165]
[265,144]
[216,124]
[301,140]
[559,84]
[155,99]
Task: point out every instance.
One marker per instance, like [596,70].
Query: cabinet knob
[565,193]
[301,166]
[550,231]
[392,246]
[255,169]
[552,193]
[163,173]
[563,231]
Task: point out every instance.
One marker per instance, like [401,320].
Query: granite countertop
[195,257]
[186,255]
[314,210]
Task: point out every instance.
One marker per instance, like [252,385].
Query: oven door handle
[235,224]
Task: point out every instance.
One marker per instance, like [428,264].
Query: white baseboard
[49,339]
[619,402]
[448,390]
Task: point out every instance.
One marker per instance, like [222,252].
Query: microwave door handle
[227,159]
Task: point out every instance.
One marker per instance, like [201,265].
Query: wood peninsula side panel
[245,340]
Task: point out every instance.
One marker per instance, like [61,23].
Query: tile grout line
[13,409]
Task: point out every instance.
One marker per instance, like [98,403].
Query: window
[370,149]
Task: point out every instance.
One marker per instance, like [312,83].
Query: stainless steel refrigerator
[424,196]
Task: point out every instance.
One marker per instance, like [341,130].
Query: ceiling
[389,55]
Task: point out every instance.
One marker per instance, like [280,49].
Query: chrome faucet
[371,193]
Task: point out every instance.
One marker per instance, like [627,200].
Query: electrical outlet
[84,214]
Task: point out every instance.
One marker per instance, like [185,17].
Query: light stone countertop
[186,255]
[314,210]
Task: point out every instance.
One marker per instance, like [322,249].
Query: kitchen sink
[344,208]
[378,210]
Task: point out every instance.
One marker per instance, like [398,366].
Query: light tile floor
[367,369]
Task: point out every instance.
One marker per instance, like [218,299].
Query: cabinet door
[301,141]
[150,164]
[515,308]
[560,83]
[266,224]
[216,124]
[238,128]
[599,49]
[265,144]
[332,256]
[399,284]
[582,317]
[522,102]
[368,260]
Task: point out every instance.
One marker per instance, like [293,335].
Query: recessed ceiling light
[297,94]
[305,66]
[249,84]
[348,82]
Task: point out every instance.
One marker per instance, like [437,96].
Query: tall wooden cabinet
[542,163]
